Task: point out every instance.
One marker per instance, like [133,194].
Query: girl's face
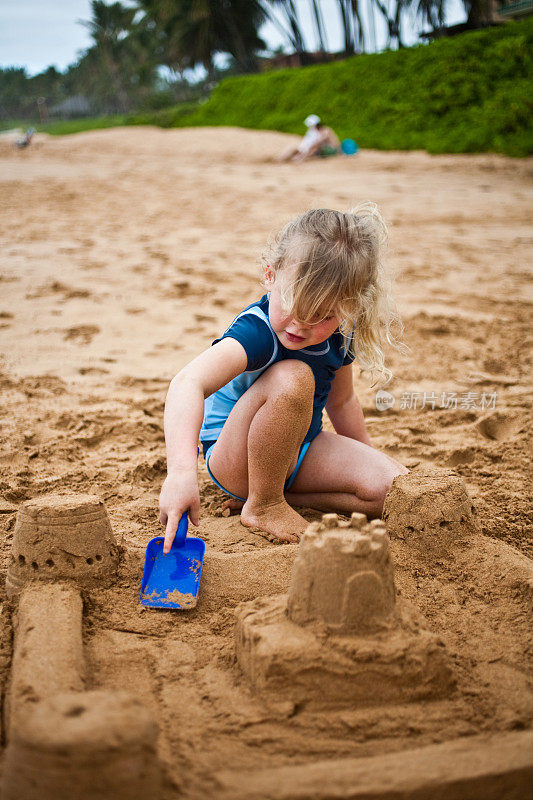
[293,334]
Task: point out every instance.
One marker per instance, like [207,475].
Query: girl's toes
[231,506]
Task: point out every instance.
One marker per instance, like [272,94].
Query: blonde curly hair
[337,269]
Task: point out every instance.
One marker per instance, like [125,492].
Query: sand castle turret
[340,637]
[62,538]
[430,511]
[343,576]
[83,745]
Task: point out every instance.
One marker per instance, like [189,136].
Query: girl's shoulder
[251,328]
[343,347]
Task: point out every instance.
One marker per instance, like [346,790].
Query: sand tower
[64,742]
[341,637]
[62,538]
[89,745]
[430,511]
[344,580]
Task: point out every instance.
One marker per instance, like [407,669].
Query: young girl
[255,397]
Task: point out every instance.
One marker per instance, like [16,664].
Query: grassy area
[64,127]
[471,93]
[467,94]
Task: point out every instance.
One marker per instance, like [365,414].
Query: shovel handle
[183,526]
[181,533]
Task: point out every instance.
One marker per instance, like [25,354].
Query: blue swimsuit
[253,330]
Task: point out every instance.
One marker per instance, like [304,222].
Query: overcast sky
[37,33]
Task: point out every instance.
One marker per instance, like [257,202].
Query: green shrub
[470,93]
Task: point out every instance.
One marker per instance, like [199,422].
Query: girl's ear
[269,276]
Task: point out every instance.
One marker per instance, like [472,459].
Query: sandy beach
[124,253]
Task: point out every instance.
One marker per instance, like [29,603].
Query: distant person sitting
[28,136]
[318,141]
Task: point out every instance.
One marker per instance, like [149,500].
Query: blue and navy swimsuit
[253,330]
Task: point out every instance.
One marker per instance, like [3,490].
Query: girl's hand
[179,494]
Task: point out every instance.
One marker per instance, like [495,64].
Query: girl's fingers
[172,526]
[194,512]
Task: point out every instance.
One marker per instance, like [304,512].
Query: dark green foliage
[19,93]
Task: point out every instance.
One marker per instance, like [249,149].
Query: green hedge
[467,94]
[471,93]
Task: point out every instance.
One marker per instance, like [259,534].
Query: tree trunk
[244,58]
[348,42]
[359,34]
[398,23]
[284,32]
[122,97]
[390,22]
[372,23]
[322,42]
[292,15]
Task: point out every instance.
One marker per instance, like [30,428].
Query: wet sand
[124,253]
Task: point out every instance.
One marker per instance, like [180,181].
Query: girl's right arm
[184,412]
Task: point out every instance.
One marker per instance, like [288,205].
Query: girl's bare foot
[233,506]
[277,519]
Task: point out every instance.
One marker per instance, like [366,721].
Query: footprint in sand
[4,317]
[498,426]
[56,287]
[81,334]
[149,471]
[460,457]
[158,254]
[77,293]
[87,264]
[183,289]
[93,371]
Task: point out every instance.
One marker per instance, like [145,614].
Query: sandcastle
[341,637]
[100,742]
[345,579]
[340,640]
[62,538]
[89,746]
[430,511]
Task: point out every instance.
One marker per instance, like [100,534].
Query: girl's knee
[385,484]
[292,377]
[377,488]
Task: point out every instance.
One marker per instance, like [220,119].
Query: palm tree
[480,12]
[359,34]
[346,26]
[393,19]
[241,19]
[371,14]
[192,31]
[320,29]
[109,28]
[431,11]
[294,33]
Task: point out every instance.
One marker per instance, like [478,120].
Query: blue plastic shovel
[173,580]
